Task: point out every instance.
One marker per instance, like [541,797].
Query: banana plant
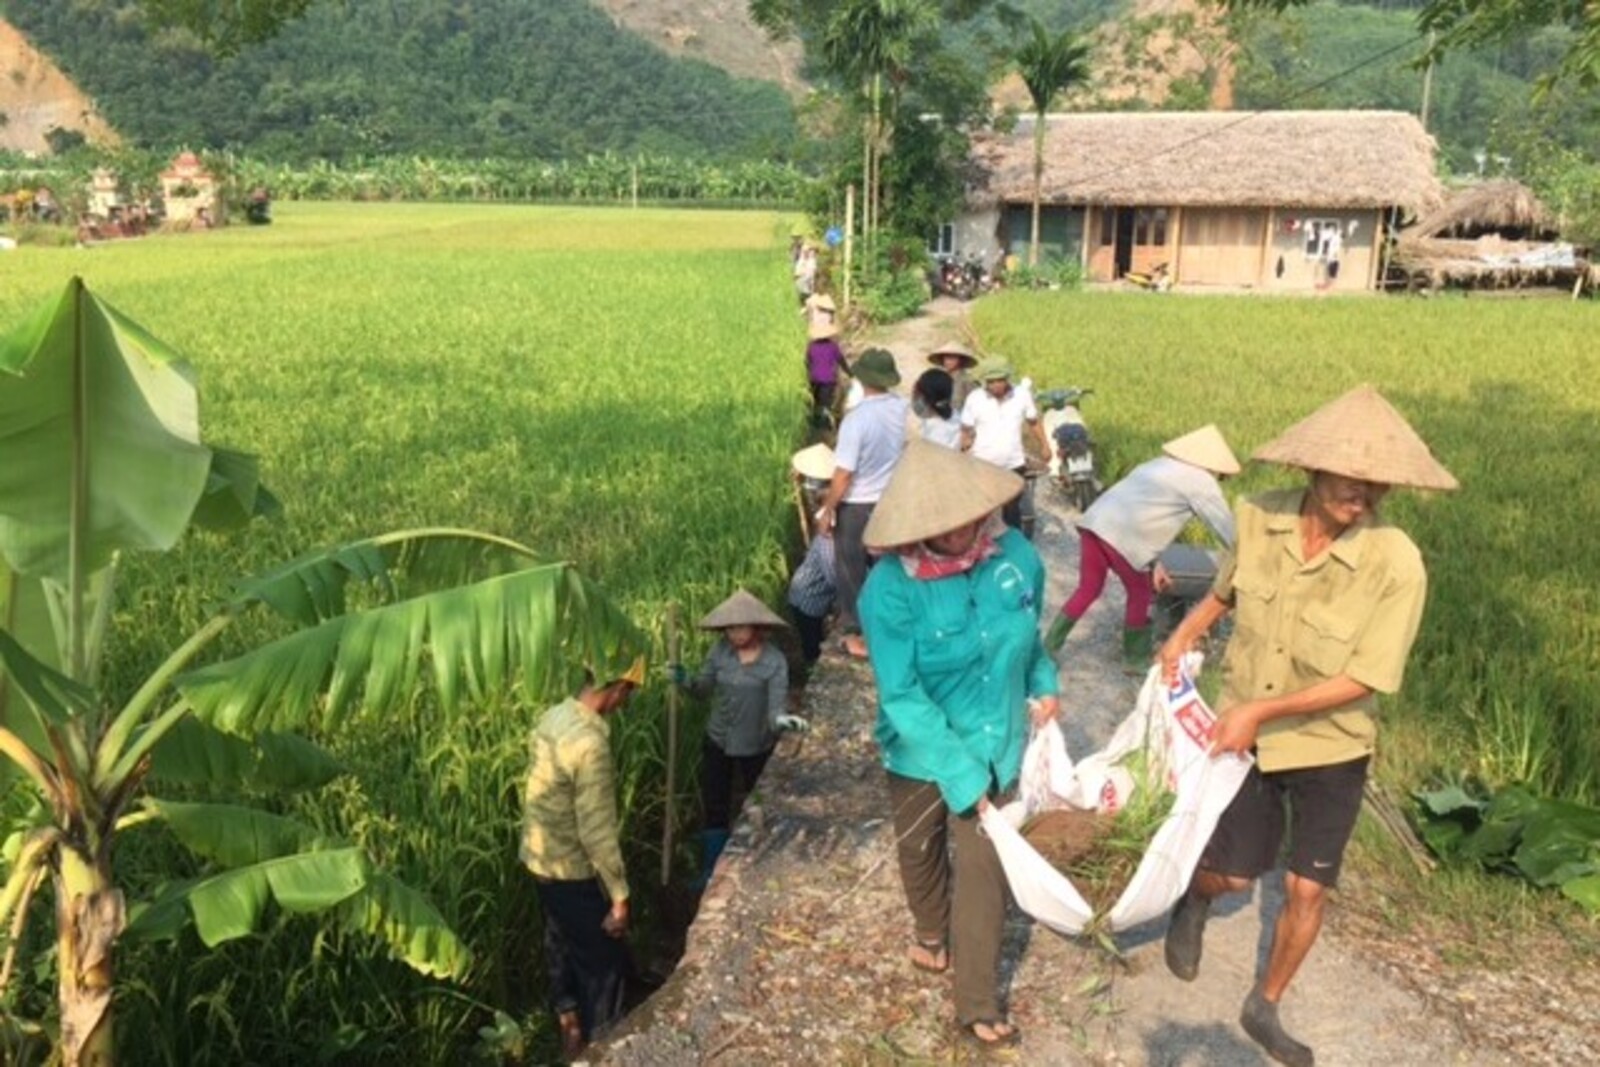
[99,431]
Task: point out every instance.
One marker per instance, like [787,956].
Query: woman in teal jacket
[952,632]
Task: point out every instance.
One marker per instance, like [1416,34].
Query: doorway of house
[1122,258]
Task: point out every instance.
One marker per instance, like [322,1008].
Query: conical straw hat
[967,357]
[934,490]
[1360,435]
[816,462]
[741,609]
[821,300]
[1205,448]
[821,330]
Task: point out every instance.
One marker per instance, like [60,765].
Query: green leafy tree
[228,26]
[1048,65]
[100,425]
[1460,25]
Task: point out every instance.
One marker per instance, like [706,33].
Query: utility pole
[849,241]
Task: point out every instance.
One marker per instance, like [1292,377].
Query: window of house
[944,241]
[1316,232]
[1150,226]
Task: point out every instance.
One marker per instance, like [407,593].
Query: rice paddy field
[1504,682]
[622,389]
[618,389]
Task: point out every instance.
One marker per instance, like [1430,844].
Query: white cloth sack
[1174,727]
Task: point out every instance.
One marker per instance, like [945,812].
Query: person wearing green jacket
[570,845]
[951,619]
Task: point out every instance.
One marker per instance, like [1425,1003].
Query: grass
[620,389]
[1504,681]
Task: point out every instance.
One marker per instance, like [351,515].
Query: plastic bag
[1173,726]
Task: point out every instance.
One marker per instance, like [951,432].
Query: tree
[1459,25]
[103,457]
[1048,65]
[226,27]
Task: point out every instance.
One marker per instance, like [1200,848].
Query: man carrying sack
[1327,598]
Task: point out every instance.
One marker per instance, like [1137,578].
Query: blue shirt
[956,660]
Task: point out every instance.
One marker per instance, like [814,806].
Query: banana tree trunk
[89,917]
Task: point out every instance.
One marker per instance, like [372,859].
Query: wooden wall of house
[1292,261]
[1221,246]
[978,232]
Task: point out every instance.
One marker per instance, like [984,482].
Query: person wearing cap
[571,847]
[951,617]
[747,680]
[957,361]
[812,587]
[930,400]
[824,362]
[992,421]
[1326,598]
[871,439]
[1128,526]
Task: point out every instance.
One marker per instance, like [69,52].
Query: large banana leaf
[194,753]
[528,627]
[313,587]
[93,408]
[273,860]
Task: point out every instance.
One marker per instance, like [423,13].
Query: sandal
[854,646]
[1004,1034]
[934,957]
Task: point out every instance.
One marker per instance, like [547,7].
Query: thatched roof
[1486,207]
[1304,159]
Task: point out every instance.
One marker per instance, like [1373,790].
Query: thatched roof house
[1501,206]
[1230,198]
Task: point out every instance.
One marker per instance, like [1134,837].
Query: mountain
[36,98]
[717,31]
[513,78]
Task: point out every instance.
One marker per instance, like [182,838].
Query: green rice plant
[619,390]
[1504,680]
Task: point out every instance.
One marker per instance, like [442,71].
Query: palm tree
[864,42]
[1048,65]
[100,424]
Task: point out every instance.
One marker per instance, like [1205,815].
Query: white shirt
[1143,513]
[997,425]
[946,432]
[871,438]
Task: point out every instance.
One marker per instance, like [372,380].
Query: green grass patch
[619,389]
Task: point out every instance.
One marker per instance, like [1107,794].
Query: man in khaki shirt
[1326,598]
[570,845]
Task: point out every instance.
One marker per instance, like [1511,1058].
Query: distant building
[104,192]
[1264,200]
[191,192]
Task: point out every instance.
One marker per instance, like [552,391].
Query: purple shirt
[822,361]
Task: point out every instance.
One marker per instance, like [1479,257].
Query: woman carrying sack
[951,618]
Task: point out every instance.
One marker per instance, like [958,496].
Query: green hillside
[510,78]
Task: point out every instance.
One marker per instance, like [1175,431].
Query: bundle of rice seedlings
[1100,852]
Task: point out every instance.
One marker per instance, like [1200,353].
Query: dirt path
[798,955]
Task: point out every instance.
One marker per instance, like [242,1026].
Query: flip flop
[935,950]
[1010,1039]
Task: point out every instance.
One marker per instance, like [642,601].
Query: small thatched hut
[1502,207]
[1269,200]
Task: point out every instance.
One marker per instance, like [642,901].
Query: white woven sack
[1174,726]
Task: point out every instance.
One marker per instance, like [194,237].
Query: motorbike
[1190,571]
[1072,466]
[960,278]
[1156,280]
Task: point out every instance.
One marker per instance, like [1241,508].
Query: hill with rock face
[717,31]
[36,97]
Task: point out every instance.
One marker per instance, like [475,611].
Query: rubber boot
[1138,646]
[1260,1020]
[1186,935]
[712,842]
[1056,636]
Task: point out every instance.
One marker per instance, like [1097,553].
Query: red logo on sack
[1196,721]
[1108,797]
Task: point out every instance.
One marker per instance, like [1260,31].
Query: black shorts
[1323,803]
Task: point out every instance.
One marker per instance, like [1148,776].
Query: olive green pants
[969,888]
